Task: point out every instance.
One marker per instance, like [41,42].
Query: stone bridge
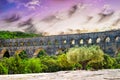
[109,41]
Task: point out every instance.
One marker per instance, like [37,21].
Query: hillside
[17,34]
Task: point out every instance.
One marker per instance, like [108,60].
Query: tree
[84,55]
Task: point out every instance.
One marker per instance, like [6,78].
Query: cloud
[30,4]
[12,18]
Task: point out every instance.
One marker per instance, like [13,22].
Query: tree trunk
[84,64]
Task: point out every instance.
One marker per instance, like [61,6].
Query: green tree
[85,55]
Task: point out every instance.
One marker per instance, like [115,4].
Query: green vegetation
[17,34]
[85,55]
[89,58]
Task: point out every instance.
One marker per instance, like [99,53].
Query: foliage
[16,65]
[3,70]
[118,58]
[23,55]
[77,66]
[33,66]
[85,55]
[52,65]
[107,63]
[41,53]
[17,34]
[63,63]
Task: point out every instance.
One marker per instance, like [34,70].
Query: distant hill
[17,34]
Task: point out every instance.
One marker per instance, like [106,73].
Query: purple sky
[27,7]
[47,15]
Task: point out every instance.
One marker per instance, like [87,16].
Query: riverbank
[67,75]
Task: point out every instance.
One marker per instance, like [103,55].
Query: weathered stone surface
[67,75]
[109,41]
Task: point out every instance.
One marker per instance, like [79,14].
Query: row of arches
[21,52]
[62,42]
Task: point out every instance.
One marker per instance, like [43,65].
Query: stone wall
[109,41]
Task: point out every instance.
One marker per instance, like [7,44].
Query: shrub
[52,65]
[107,63]
[16,65]
[85,55]
[3,70]
[77,66]
[33,66]
[63,63]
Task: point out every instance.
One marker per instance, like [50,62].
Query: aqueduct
[109,41]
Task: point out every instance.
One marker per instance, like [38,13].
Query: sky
[14,12]
[26,7]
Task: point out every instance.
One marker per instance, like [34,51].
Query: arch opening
[56,42]
[117,39]
[21,43]
[72,42]
[107,39]
[6,54]
[49,42]
[16,44]
[21,53]
[28,43]
[98,40]
[39,52]
[81,41]
[64,41]
[90,41]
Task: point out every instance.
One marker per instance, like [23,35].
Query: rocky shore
[68,75]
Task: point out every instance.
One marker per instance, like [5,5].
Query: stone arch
[37,51]
[98,40]
[4,53]
[89,41]
[72,42]
[22,53]
[81,41]
[107,39]
[117,39]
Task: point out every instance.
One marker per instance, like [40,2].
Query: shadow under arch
[39,52]
[4,53]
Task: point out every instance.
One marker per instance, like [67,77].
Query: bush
[33,66]
[63,63]
[52,64]
[15,65]
[77,66]
[85,55]
[107,63]
[3,70]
